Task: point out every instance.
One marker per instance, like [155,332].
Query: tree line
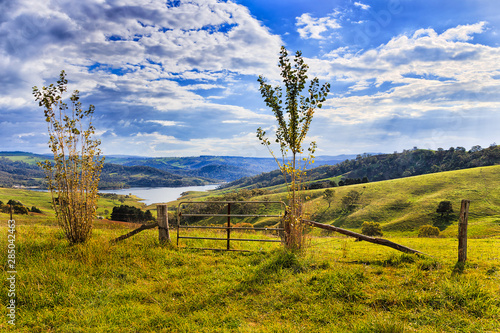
[379,167]
[127,213]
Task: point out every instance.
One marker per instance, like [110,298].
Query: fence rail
[228,227]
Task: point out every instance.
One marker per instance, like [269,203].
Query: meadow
[335,285]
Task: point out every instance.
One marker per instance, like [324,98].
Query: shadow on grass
[443,222]
[459,268]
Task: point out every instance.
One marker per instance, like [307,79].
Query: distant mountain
[221,168]
[19,168]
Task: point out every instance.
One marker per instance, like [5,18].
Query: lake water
[151,195]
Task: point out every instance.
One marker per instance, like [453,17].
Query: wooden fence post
[462,231]
[228,226]
[163,231]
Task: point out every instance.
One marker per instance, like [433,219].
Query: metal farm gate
[226,226]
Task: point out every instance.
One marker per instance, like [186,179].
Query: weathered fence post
[462,231]
[163,231]
[228,225]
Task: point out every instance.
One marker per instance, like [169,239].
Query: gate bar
[226,215]
[233,239]
[233,228]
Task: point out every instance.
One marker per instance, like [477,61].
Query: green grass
[338,285]
[42,201]
[30,159]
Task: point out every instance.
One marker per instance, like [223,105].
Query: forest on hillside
[113,176]
[379,167]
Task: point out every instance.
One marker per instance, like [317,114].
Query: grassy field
[42,201]
[337,285]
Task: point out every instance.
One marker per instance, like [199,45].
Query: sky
[179,78]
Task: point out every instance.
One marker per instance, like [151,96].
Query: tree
[148,216]
[73,177]
[445,208]
[294,117]
[350,200]
[329,195]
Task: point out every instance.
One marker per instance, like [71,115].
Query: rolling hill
[384,166]
[401,206]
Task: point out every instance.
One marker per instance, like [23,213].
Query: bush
[428,231]
[130,214]
[35,210]
[17,207]
[371,229]
[21,210]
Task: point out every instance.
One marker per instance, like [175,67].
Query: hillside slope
[205,168]
[387,166]
[403,205]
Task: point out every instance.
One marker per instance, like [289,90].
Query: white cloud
[463,32]
[146,38]
[410,76]
[166,123]
[361,5]
[158,144]
[312,28]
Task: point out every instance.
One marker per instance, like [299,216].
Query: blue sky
[179,78]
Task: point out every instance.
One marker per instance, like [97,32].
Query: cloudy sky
[179,78]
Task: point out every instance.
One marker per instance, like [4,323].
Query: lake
[151,195]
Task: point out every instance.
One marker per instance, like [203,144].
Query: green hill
[385,166]
[21,169]
[401,206]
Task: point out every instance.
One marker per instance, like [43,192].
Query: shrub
[371,229]
[428,231]
[21,210]
[35,210]
[73,174]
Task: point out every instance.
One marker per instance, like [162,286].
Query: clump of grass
[492,270]
[398,260]
[428,264]
[341,285]
[382,326]
[283,259]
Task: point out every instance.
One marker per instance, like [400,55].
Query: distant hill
[20,168]
[222,168]
[17,172]
[386,166]
[405,204]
